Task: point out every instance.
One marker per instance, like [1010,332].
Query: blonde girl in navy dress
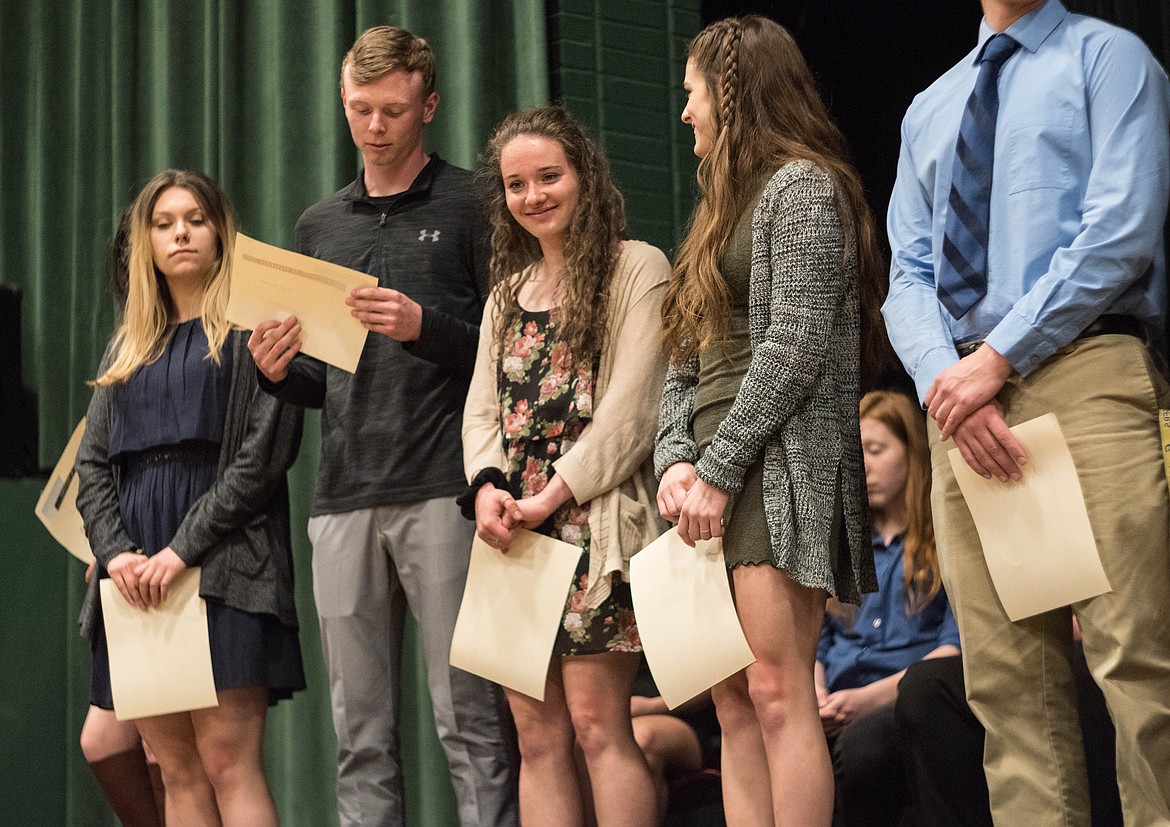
[183,464]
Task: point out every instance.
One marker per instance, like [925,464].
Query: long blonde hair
[766,111]
[921,580]
[592,241]
[142,331]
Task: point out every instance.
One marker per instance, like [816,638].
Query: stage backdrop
[96,96]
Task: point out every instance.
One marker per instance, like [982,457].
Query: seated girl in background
[183,464]
[865,650]
[557,434]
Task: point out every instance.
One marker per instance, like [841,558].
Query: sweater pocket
[632,522]
[250,555]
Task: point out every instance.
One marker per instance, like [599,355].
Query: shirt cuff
[932,363]
[425,326]
[1021,344]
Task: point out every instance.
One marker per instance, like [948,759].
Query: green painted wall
[619,66]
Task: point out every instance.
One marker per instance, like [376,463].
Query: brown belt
[1105,325]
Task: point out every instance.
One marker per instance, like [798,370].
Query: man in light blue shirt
[1075,287]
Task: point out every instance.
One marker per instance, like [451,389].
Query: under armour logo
[433,235]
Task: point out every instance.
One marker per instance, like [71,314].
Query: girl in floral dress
[557,435]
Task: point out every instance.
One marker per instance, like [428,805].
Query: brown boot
[125,781]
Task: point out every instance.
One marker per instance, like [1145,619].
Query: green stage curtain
[98,95]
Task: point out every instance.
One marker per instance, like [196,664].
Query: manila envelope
[57,505]
[512,607]
[1035,533]
[686,617]
[271,283]
[160,659]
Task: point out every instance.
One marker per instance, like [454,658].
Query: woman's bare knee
[103,735]
[596,724]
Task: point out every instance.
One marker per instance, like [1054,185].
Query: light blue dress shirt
[1078,201]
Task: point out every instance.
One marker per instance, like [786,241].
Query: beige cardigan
[610,466]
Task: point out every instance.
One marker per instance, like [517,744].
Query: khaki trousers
[371,566]
[1106,393]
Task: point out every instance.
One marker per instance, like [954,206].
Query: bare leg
[670,747]
[747,785]
[190,797]
[597,690]
[549,792]
[114,751]
[782,620]
[230,739]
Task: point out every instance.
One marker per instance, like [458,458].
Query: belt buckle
[968,347]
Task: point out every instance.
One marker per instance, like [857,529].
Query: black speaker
[17,406]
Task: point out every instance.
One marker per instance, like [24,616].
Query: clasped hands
[145,581]
[962,401]
[696,506]
[273,344]
[843,707]
[499,515]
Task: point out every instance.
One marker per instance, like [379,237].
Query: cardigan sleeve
[483,440]
[620,436]
[251,477]
[675,441]
[97,486]
[798,239]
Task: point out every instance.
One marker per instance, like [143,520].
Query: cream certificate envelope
[160,659]
[271,283]
[512,607]
[57,505]
[686,618]
[1035,533]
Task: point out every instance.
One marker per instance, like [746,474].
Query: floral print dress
[545,403]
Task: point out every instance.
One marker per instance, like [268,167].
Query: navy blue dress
[166,425]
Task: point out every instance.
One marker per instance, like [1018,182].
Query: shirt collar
[880,545]
[421,183]
[1030,30]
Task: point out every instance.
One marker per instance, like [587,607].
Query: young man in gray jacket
[386,532]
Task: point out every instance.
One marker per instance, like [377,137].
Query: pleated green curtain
[95,97]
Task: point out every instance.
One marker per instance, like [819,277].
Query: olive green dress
[721,370]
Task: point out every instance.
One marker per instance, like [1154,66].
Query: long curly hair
[766,112]
[142,331]
[921,579]
[592,240]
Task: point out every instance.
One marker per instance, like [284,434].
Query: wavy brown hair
[147,312]
[921,580]
[766,112]
[592,240]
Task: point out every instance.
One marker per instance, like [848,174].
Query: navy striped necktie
[962,272]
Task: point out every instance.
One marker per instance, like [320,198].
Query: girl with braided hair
[770,306]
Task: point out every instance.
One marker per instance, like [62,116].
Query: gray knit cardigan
[799,399]
[238,531]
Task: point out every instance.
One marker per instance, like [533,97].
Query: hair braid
[729,76]
[767,113]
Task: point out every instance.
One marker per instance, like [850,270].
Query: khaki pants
[369,567]
[1105,392]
